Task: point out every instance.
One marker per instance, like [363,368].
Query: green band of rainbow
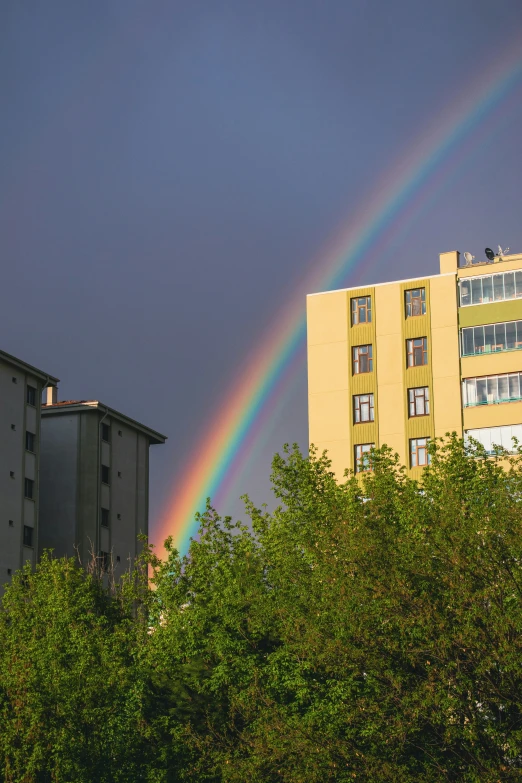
[253,395]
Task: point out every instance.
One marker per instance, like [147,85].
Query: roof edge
[95,405]
[28,368]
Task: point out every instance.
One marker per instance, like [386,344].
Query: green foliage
[366,630]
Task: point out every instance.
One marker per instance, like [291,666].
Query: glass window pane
[518,282]
[518,343]
[465,293]
[476,291]
[498,287]
[503,387]
[487,289]
[514,386]
[469,391]
[489,337]
[511,335]
[467,342]
[509,285]
[482,390]
[500,337]
[492,388]
[478,336]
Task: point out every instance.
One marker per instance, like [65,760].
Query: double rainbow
[256,393]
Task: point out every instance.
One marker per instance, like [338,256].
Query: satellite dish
[489,254]
[468,258]
[503,252]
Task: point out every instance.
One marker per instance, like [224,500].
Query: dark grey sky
[170,170]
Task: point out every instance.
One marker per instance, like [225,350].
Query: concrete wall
[73,493]
[16,510]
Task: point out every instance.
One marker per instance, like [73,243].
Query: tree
[72,688]
[368,630]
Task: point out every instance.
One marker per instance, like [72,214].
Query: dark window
[11,523]
[119,474]
[106,433]
[362,310]
[362,359]
[105,474]
[13,426]
[11,474]
[120,433]
[415,302]
[15,380]
[419,401]
[29,489]
[28,535]
[104,560]
[362,457]
[419,456]
[9,571]
[31,396]
[417,351]
[117,558]
[119,516]
[29,441]
[363,408]
[105,517]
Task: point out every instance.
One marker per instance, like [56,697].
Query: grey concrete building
[21,388]
[94,494]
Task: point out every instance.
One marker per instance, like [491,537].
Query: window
[117,558]
[104,517]
[28,535]
[104,560]
[362,457]
[362,359]
[490,288]
[11,523]
[419,401]
[491,338]
[11,474]
[30,396]
[119,474]
[105,474]
[106,433]
[13,427]
[417,351]
[415,302]
[362,310]
[118,516]
[363,408]
[120,433]
[14,380]
[490,437]
[29,488]
[419,456]
[29,441]
[492,389]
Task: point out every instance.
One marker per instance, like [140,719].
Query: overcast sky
[170,169]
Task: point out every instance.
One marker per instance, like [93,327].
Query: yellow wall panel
[389,351]
[329,416]
[391,409]
[340,453]
[327,367]
[492,313]
[492,415]
[388,309]
[491,364]
[327,317]
[447,409]
[443,296]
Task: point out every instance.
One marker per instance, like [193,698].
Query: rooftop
[83,406]
[28,368]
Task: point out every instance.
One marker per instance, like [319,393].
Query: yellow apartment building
[399,363]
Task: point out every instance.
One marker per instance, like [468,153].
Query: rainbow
[258,390]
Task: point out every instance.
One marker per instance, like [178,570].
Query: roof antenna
[468,258]
[503,252]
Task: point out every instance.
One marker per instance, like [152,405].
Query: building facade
[403,362]
[94,482]
[21,388]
